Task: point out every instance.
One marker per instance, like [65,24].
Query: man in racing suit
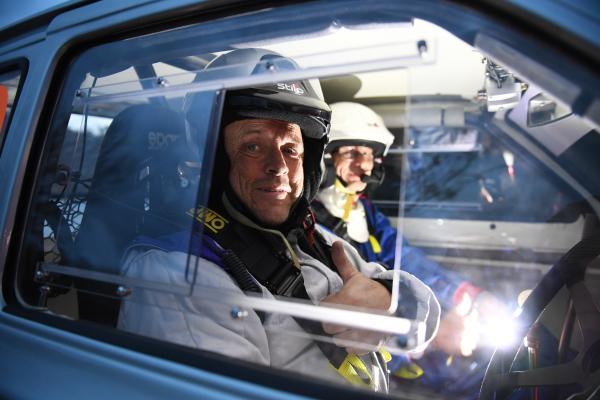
[358,142]
[266,172]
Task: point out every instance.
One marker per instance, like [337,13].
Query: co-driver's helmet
[353,124]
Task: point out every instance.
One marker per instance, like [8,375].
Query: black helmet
[299,102]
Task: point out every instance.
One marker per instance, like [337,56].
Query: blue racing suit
[433,369]
[442,281]
[381,247]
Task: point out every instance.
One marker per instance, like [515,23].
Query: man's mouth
[354,177]
[275,189]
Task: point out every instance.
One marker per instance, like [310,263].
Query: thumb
[342,263]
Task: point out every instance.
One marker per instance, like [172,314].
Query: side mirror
[543,110]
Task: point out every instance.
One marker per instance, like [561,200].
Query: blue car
[110,115]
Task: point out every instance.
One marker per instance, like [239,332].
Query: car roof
[580,18]
[43,10]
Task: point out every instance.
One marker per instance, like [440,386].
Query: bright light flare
[509,159]
[465,305]
[499,332]
[470,337]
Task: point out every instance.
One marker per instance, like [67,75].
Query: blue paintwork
[581,18]
[14,13]
[39,361]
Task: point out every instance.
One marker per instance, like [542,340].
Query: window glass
[127,175]
[470,172]
[167,198]
[9,86]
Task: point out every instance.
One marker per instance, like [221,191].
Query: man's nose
[275,163]
[361,161]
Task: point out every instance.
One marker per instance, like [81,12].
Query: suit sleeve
[441,280]
[198,320]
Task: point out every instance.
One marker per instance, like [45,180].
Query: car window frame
[265,376]
[21,64]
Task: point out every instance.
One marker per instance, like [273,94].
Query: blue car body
[43,356]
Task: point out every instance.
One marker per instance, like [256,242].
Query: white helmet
[355,124]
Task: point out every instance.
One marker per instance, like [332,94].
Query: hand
[470,323]
[489,306]
[455,335]
[358,291]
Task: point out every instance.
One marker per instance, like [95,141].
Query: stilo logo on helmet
[294,88]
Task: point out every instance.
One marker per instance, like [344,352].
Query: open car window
[119,229]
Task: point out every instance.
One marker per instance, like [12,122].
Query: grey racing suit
[203,321]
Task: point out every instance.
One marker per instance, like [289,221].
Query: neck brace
[344,204]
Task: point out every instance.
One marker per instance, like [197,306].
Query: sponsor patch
[160,140]
[211,219]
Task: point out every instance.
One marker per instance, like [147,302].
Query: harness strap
[338,225]
[410,371]
[334,224]
[348,206]
[355,371]
[375,244]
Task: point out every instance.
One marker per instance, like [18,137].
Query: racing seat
[118,207]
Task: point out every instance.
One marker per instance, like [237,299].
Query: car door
[101,88]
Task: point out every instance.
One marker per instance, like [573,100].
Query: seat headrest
[142,140]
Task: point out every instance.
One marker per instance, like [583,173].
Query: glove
[471,322]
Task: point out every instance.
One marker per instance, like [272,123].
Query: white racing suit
[207,324]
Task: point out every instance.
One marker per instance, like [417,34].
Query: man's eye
[291,151]
[251,147]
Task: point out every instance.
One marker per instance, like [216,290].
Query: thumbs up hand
[358,291]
